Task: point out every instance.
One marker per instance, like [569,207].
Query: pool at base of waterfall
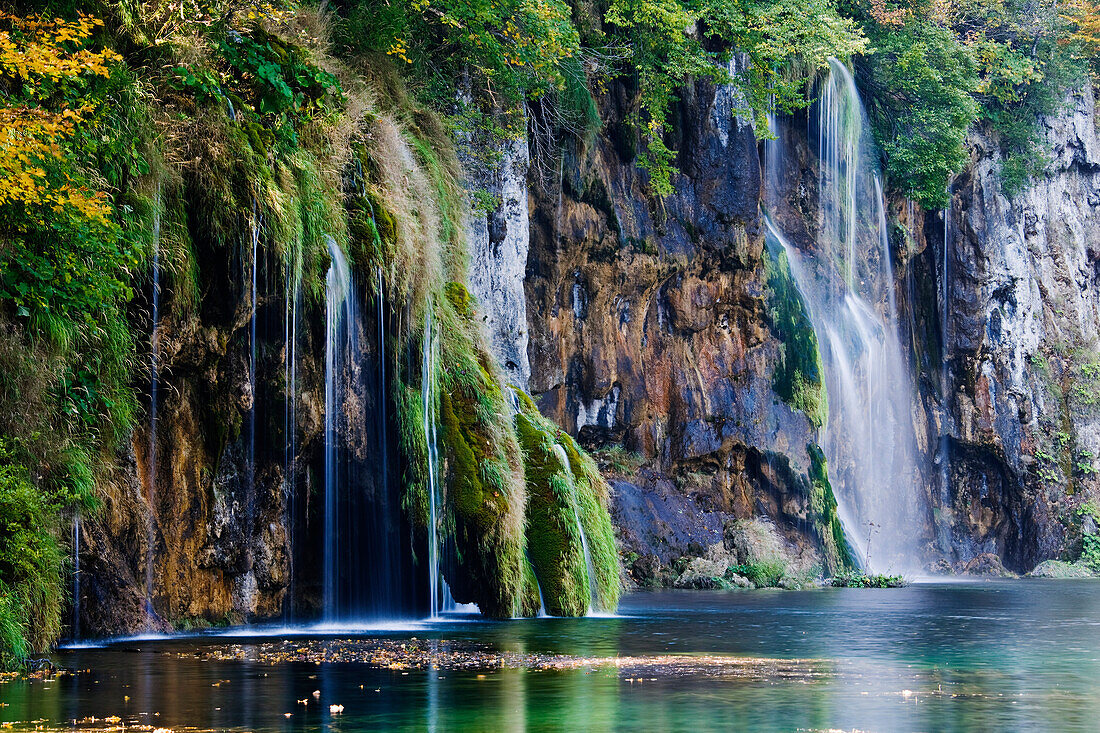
[994,655]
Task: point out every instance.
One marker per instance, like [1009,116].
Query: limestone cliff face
[221,531]
[498,237]
[1022,334]
[649,329]
[643,325]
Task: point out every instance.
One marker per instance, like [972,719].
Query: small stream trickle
[76,576]
[250,496]
[154,363]
[590,570]
[290,418]
[439,592]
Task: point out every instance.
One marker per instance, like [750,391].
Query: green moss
[484,489]
[414,450]
[798,378]
[460,298]
[592,495]
[557,496]
[531,602]
[838,554]
[553,539]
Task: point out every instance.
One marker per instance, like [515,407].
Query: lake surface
[996,655]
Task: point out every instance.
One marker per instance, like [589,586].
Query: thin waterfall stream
[290,418]
[383,419]
[76,575]
[590,570]
[439,592]
[845,278]
[154,357]
[339,341]
[250,488]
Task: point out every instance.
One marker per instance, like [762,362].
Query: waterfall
[154,356]
[383,388]
[76,575]
[367,561]
[943,457]
[290,418]
[339,335]
[250,498]
[590,571]
[439,593]
[846,279]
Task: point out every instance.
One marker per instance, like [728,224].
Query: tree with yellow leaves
[39,57]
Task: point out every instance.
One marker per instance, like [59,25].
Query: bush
[31,586]
[862,580]
[762,574]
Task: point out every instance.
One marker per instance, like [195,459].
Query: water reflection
[990,656]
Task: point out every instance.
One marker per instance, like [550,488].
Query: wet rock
[647,571]
[987,564]
[660,525]
[1060,569]
[702,573]
[649,329]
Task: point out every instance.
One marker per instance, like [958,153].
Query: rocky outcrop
[650,330]
[498,240]
[1022,335]
[220,528]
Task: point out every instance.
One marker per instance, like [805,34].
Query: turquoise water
[997,655]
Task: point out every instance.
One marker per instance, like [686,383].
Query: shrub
[31,587]
[858,579]
[762,574]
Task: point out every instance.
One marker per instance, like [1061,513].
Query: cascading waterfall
[367,562]
[846,280]
[380,304]
[154,357]
[590,570]
[339,344]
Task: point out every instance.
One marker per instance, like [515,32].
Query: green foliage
[271,84]
[514,49]
[31,590]
[937,69]
[798,379]
[862,580]
[921,105]
[763,574]
[1090,552]
[786,43]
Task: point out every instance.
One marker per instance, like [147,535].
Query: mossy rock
[483,470]
[460,297]
[837,551]
[553,538]
[558,495]
[798,377]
